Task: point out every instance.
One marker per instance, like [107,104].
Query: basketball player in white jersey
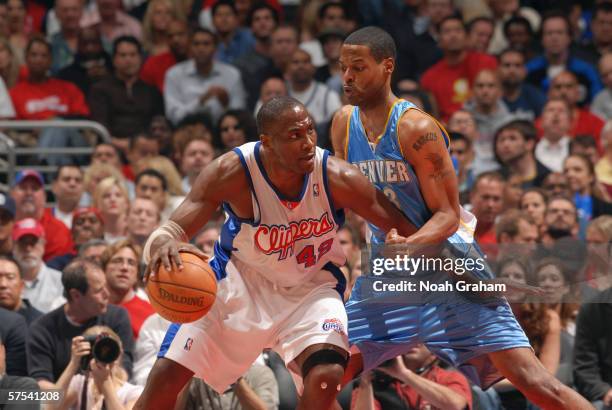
[276,262]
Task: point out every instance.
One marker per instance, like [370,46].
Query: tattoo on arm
[439,170]
[424,139]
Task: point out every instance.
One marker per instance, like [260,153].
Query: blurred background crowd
[523,87]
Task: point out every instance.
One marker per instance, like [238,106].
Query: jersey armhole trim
[338,215]
[256,217]
[346,135]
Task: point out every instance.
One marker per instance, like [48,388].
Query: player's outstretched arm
[350,189]
[423,145]
[339,130]
[219,181]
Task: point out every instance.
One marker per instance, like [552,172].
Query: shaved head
[270,113]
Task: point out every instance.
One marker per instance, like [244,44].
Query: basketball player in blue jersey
[276,261]
[404,152]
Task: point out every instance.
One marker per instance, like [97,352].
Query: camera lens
[106,349]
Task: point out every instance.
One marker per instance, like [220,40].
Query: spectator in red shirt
[565,85]
[154,69]
[487,203]
[120,262]
[450,80]
[29,197]
[41,97]
[413,381]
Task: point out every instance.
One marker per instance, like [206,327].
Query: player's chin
[306,166]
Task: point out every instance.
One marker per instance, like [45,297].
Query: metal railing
[9,166]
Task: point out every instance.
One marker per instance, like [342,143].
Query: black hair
[602,7]
[202,30]
[457,136]
[552,14]
[583,140]
[141,135]
[271,111]
[8,257]
[262,6]
[219,3]
[126,39]
[452,17]
[508,51]
[196,118]
[379,42]
[470,25]
[246,123]
[37,39]
[74,276]
[326,6]
[150,172]
[521,21]
[61,168]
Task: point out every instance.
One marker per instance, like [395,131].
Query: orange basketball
[183,296]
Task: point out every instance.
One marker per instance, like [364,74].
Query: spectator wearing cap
[234,41]
[42,284]
[263,20]
[7,218]
[11,289]
[29,195]
[67,188]
[50,337]
[87,224]
[330,74]
[121,262]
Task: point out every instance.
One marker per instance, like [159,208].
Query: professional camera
[104,349]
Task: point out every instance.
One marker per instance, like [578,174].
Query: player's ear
[265,140]
[389,65]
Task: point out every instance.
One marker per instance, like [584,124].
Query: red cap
[86,210]
[28,226]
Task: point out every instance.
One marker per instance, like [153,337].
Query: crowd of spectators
[524,90]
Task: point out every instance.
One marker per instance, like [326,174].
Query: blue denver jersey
[386,167]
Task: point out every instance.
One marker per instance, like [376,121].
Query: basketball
[183,296]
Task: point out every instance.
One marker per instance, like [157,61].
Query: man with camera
[50,339]
[412,381]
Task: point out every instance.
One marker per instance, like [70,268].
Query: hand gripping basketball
[186,291]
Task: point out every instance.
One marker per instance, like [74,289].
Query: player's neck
[374,116]
[287,182]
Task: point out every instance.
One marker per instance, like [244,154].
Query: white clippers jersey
[288,241]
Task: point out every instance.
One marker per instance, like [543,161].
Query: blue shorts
[459,331]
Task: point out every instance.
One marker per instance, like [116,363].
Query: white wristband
[169,228]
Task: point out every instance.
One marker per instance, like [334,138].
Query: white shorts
[251,314]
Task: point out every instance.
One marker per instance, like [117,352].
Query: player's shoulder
[339,129]
[415,121]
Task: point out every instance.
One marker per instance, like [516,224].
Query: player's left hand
[189,248]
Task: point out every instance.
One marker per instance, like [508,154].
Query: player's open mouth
[308,157]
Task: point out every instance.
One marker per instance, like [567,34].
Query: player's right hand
[164,251]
